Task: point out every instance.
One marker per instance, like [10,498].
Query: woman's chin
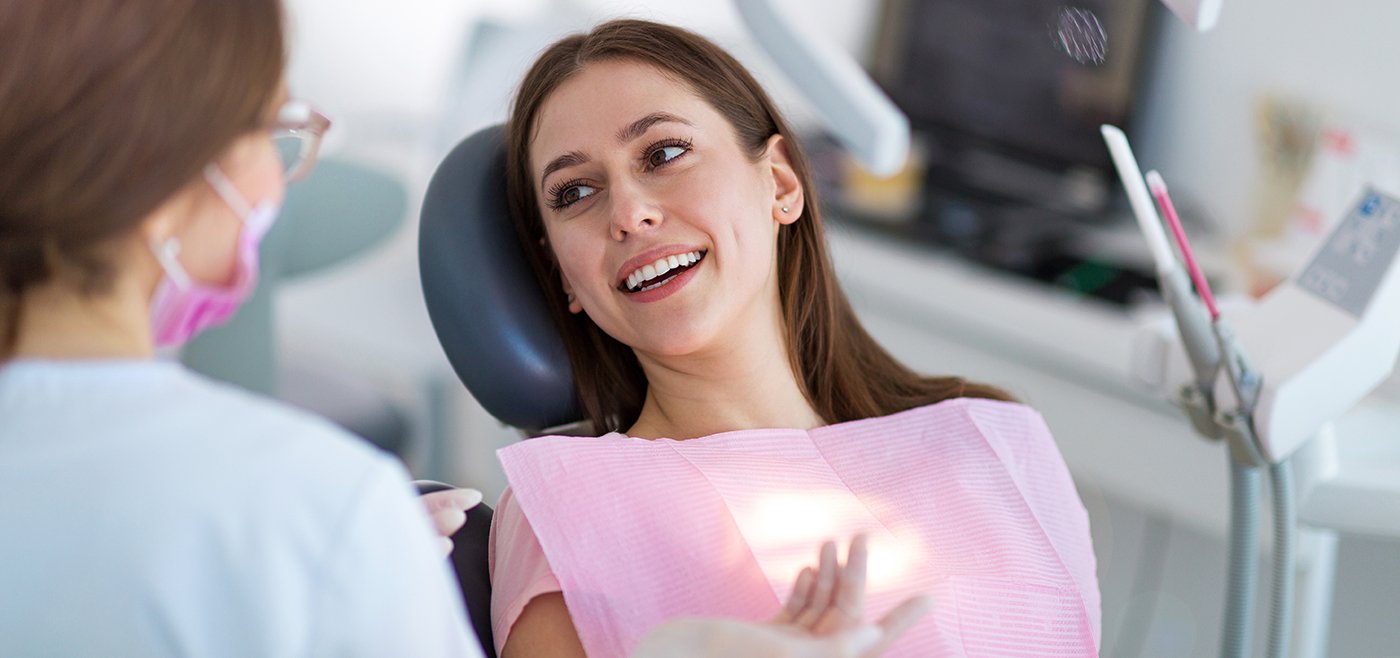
[670,348]
[687,333]
[674,342]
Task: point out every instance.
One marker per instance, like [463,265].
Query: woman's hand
[822,619]
[448,510]
[830,602]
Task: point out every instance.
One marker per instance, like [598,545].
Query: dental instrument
[1321,341]
[1192,322]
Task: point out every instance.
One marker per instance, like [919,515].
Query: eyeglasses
[297,137]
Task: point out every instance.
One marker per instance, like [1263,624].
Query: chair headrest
[486,307]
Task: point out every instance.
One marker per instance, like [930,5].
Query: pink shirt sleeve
[519,570]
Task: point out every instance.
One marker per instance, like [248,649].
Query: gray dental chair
[487,309]
[491,318]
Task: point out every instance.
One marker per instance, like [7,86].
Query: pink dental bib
[968,500]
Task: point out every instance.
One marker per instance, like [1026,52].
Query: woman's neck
[57,321]
[743,384]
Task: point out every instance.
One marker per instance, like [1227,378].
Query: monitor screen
[1004,87]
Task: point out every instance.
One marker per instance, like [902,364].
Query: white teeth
[660,268]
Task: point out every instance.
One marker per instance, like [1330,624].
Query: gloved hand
[447,507]
[822,619]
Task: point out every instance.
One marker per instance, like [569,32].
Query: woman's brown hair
[843,372]
[108,108]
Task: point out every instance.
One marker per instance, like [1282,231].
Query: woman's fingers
[458,499]
[828,572]
[798,600]
[448,512]
[447,521]
[830,601]
[827,607]
[848,598]
[448,508]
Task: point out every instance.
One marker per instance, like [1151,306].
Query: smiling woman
[664,202]
[651,100]
[673,182]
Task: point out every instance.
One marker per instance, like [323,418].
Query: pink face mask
[183,307]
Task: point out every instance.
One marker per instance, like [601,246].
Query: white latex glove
[448,510]
[822,619]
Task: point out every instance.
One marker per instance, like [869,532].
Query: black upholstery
[486,307]
[470,561]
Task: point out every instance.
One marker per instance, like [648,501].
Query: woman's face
[663,225]
[209,241]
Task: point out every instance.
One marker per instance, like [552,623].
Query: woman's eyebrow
[636,128]
[630,132]
[570,159]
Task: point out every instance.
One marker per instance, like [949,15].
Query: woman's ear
[574,306]
[788,195]
[172,217]
[157,228]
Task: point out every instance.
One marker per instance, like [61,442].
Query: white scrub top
[147,511]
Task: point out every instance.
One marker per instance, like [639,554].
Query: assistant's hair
[843,372]
[107,109]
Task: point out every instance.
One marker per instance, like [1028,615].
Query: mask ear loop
[167,254]
[226,191]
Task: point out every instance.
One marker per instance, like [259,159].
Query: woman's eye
[573,194]
[664,154]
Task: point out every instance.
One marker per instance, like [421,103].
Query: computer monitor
[1005,104]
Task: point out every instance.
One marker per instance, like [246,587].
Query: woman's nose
[633,211]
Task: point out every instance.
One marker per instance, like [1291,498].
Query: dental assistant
[144,509]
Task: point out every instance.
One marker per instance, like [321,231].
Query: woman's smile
[663,278]
[657,273]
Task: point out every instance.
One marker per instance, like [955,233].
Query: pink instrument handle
[1159,192]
